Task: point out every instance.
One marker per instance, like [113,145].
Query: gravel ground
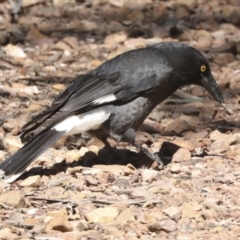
[77,189]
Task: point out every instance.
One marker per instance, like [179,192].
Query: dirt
[77,189]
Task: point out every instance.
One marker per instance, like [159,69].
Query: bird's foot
[150,155]
[159,161]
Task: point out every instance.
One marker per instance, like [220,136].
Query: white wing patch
[82,123]
[105,99]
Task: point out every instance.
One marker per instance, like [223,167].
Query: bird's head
[191,67]
[198,72]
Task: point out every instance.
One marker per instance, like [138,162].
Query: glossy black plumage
[124,90]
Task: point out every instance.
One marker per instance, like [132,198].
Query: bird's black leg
[150,155]
[109,147]
[129,136]
[112,150]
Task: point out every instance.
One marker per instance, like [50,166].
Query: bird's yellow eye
[203,68]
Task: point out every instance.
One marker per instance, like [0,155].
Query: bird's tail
[15,165]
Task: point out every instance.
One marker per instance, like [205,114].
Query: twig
[28,90]
[67,80]
[5,206]
[102,201]
[41,104]
[184,97]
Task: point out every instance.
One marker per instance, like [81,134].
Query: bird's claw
[159,161]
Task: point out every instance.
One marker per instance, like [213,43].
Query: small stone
[32,211]
[62,2]
[4,39]
[57,213]
[91,171]
[190,4]
[125,216]
[32,181]
[116,169]
[209,214]
[14,51]
[165,186]
[73,155]
[50,70]
[117,51]
[59,87]
[220,146]
[59,223]
[102,215]
[10,125]
[213,205]
[184,144]
[62,46]
[195,135]
[196,173]
[12,143]
[6,233]
[190,210]
[167,225]
[88,26]
[31,221]
[228,10]
[182,155]
[204,39]
[143,137]
[175,168]
[93,148]
[114,231]
[33,107]
[13,199]
[141,192]
[148,175]
[160,11]
[115,38]
[224,58]
[173,212]
[72,41]
[178,126]
[145,217]
[215,135]
[136,17]
[83,151]
[186,35]
[225,180]
[74,170]
[57,220]
[229,138]
[102,177]
[117,3]
[182,13]
[91,234]
[91,181]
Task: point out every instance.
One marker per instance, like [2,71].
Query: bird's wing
[61,99]
[115,82]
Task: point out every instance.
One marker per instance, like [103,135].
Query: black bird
[113,100]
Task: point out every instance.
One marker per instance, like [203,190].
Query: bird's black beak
[210,84]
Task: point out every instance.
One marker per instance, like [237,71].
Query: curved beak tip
[212,87]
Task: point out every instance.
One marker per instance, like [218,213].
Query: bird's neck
[164,90]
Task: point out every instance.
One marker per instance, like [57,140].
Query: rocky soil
[77,189]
